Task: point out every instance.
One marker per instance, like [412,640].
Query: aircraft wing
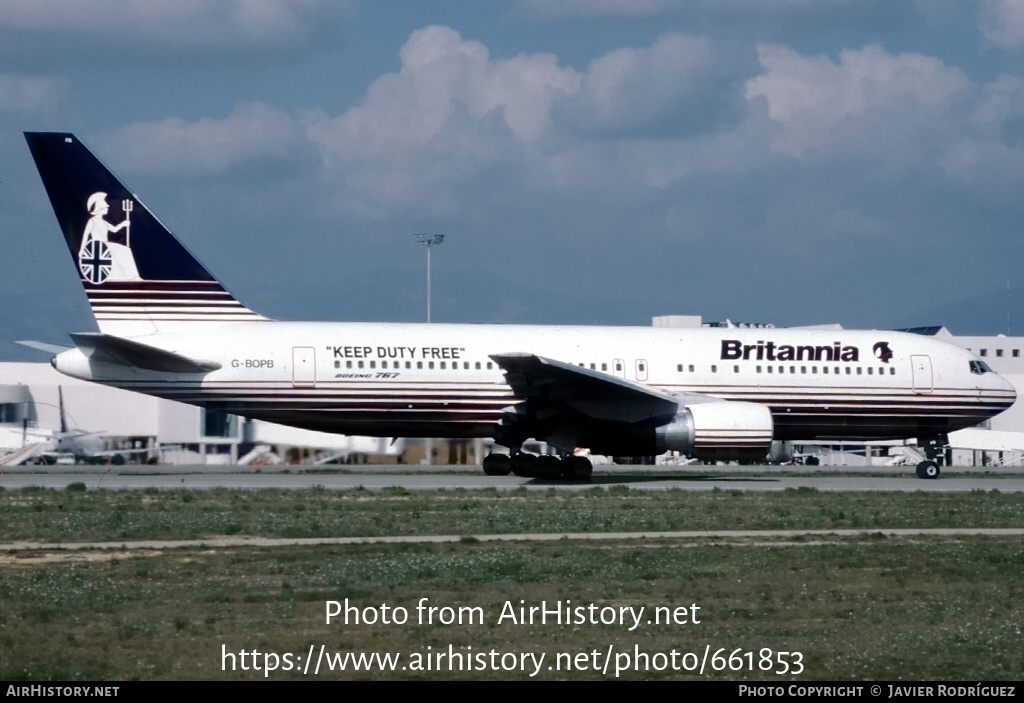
[116,452]
[548,385]
[571,406]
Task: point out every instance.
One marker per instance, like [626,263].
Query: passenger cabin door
[921,367]
[303,367]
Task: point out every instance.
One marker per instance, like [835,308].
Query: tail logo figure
[100,259]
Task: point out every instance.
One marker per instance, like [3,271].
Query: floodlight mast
[430,240]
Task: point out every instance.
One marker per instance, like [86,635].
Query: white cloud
[186,24]
[453,112]
[909,118]
[1002,22]
[27,93]
[811,97]
[453,115]
[442,73]
[629,88]
[455,131]
[206,147]
[989,151]
[583,9]
[448,113]
[639,9]
[986,165]
[996,104]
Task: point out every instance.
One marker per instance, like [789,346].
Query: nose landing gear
[928,469]
[934,449]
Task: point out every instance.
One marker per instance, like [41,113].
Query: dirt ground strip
[17,554]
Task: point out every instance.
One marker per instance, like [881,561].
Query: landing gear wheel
[928,469]
[524,466]
[497,465]
[577,468]
[548,467]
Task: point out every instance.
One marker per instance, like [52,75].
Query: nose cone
[999,393]
[1008,388]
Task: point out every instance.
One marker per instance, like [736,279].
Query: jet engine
[718,431]
[781,453]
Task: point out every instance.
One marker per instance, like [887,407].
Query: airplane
[84,447]
[169,328]
[66,444]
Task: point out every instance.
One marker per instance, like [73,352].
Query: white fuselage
[392,379]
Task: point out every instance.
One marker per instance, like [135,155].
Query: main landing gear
[571,468]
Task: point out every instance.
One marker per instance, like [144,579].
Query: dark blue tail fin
[139,278]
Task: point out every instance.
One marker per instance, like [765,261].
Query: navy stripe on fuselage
[950,404]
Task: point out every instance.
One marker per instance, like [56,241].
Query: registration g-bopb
[252,363]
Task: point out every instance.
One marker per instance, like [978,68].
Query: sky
[589,161]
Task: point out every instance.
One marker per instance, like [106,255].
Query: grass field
[866,607]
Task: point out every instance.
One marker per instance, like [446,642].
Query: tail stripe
[168,301]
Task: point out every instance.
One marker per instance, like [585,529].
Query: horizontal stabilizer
[43,346]
[118,350]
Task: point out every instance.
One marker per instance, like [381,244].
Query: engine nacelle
[718,431]
[781,453]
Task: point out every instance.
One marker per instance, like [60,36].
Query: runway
[416,478]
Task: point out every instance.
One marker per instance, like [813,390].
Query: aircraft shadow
[604,479]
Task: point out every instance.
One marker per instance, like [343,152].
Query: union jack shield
[96,262]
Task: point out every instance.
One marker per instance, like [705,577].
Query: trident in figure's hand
[127,206]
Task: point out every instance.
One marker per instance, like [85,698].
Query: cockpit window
[980,367]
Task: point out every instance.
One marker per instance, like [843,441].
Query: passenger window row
[680,368]
[802,370]
[396,365]
[1015,353]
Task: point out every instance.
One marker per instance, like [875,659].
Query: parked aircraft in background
[83,447]
[168,328]
[32,445]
